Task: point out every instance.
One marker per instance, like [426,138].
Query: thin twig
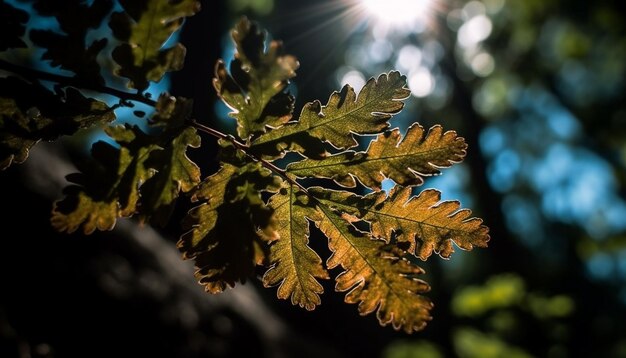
[33,74]
[245,148]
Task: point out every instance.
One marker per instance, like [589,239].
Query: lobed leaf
[174,173]
[255,86]
[406,161]
[424,222]
[375,275]
[30,113]
[344,114]
[145,27]
[295,267]
[221,232]
[110,190]
[171,112]
[69,50]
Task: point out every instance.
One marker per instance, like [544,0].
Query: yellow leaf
[405,161]
[295,267]
[85,212]
[375,275]
[423,221]
[344,114]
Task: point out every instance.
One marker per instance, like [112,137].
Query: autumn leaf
[295,267]
[344,114]
[221,232]
[254,86]
[424,221]
[405,161]
[145,27]
[375,274]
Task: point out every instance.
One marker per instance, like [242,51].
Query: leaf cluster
[372,237]
[252,212]
[31,111]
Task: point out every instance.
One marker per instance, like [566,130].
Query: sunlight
[397,13]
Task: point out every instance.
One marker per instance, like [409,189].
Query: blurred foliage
[498,292]
[509,291]
[470,343]
[412,349]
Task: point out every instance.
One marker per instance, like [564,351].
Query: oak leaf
[254,86]
[295,267]
[344,114]
[425,222]
[405,160]
[375,275]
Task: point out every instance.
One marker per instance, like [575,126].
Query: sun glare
[397,13]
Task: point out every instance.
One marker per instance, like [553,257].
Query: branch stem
[33,74]
[246,149]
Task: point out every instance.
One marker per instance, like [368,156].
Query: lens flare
[398,12]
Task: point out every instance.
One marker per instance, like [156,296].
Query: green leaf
[222,233]
[145,27]
[344,114]
[111,189]
[254,87]
[30,113]
[175,173]
[424,222]
[375,274]
[295,267]
[79,209]
[171,112]
[405,161]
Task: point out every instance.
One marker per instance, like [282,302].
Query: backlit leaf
[145,27]
[344,114]
[295,267]
[222,233]
[258,76]
[425,222]
[68,49]
[30,113]
[111,190]
[405,161]
[375,274]
[175,173]
[171,112]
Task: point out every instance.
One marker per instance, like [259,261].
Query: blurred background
[536,87]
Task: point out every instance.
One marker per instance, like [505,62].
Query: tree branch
[244,148]
[33,74]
